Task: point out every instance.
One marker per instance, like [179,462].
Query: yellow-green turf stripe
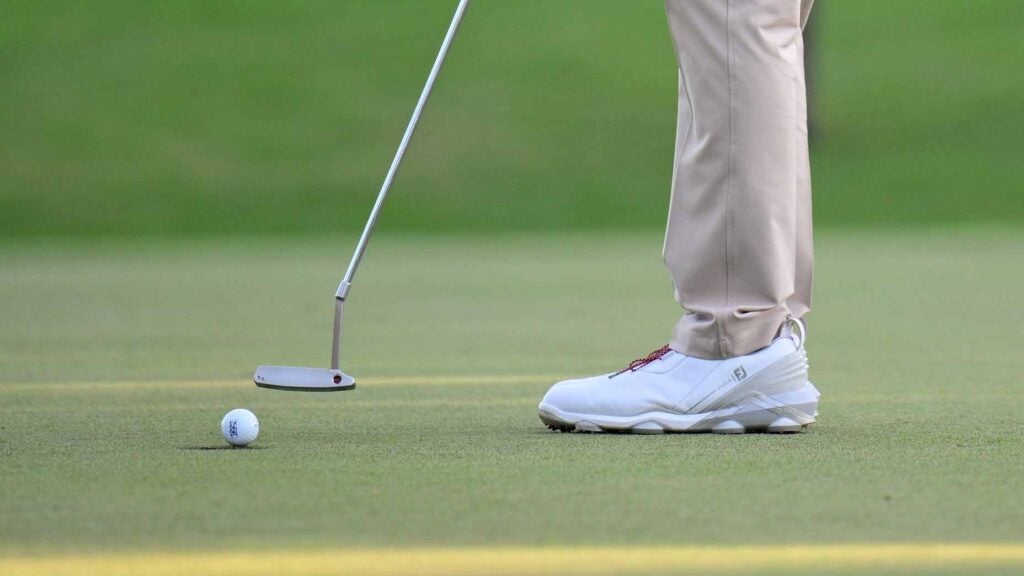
[521,561]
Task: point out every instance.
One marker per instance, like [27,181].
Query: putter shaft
[364,239]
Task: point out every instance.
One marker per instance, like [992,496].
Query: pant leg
[800,302]
[739,208]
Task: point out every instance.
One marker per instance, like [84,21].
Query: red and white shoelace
[644,361]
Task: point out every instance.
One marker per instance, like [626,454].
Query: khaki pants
[739,244]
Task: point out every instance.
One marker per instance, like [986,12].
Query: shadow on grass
[206,448]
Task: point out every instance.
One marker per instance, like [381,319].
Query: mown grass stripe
[81,386]
[522,561]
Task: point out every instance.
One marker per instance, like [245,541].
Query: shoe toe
[567,396]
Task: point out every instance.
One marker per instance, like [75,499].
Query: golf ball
[240,427]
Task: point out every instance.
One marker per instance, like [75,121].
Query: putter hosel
[339,319]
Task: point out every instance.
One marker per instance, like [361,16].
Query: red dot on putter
[337,379]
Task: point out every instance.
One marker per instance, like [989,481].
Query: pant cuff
[727,334]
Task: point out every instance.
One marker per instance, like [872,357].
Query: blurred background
[210,118]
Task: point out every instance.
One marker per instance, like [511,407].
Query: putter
[333,379]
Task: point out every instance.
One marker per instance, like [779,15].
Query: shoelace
[643,361]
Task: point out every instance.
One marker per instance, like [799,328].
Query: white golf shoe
[766,391]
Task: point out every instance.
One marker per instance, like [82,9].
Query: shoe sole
[788,413]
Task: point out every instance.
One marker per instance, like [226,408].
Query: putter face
[303,379]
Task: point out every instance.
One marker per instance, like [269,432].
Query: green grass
[119,360]
[235,117]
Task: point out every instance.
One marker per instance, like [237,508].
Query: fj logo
[740,373]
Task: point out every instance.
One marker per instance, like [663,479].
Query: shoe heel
[786,413]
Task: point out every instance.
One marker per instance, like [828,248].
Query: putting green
[118,362]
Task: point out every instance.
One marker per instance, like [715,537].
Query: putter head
[303,379]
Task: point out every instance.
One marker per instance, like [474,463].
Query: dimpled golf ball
[240,427]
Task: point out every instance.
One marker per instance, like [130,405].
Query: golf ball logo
[239,427]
